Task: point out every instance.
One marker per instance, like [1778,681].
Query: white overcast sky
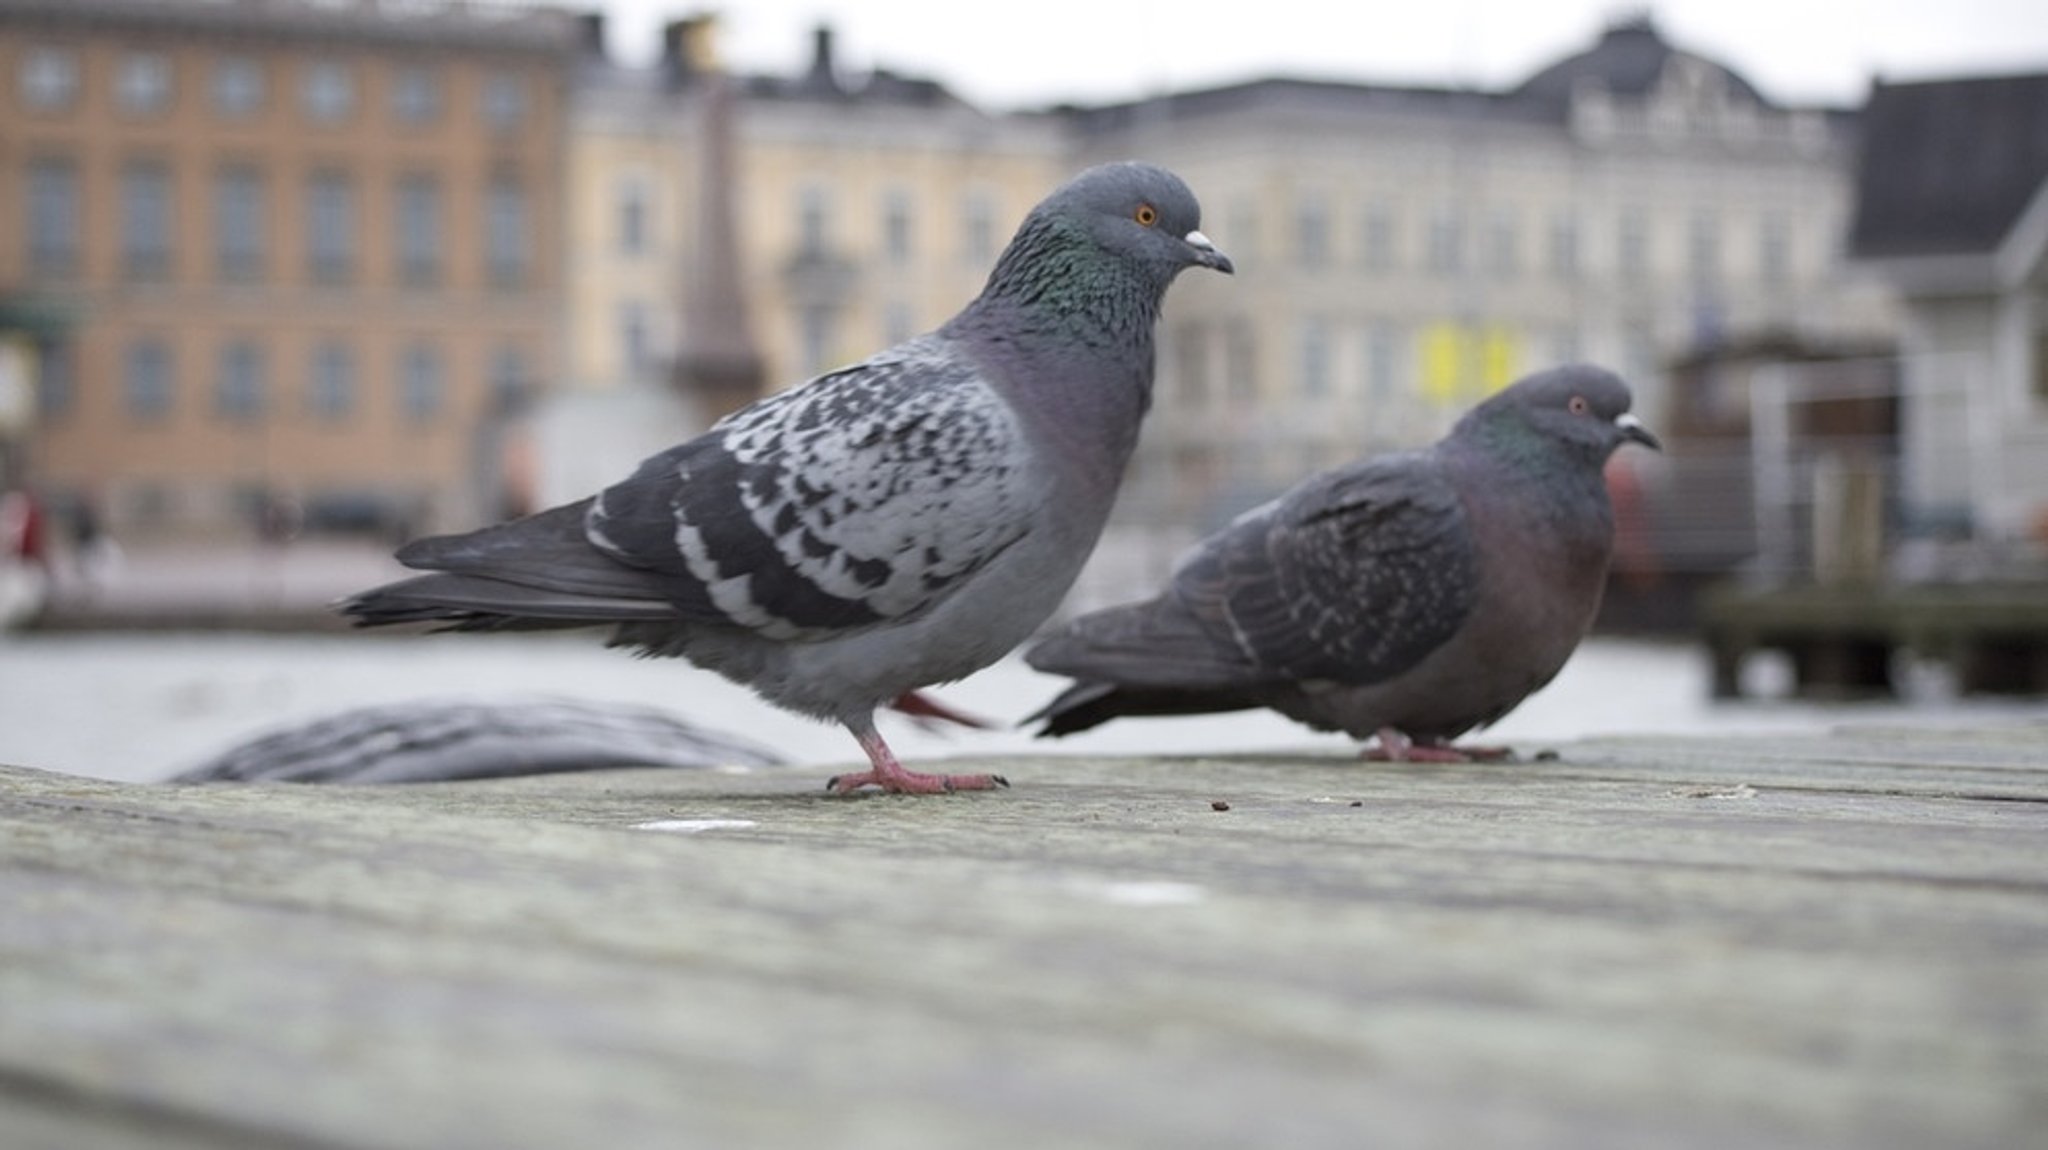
[1003,54]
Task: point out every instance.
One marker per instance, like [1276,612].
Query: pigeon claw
[893,778]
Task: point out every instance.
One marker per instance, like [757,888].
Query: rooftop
[503,24]
[1949,166]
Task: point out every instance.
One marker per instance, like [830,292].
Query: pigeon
[901,522]
[1410,597]
[442,740]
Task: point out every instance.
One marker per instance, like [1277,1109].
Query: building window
[897,324]
[146,220]
[511,380]
[56,379]
[896,226]
[633,240]
[814,222]
[1190,343]
[1564,345]
[53,216]
[1638,354]
[1315,359]
[1504,248]
[146,381]
[239,222]
[1564,246]
[1774,260]
[1312,234]
[507,246]
[1632,246]
[504,101]
[142,84]
[416,94]
[237,86]
[327,91]
[330,226]
[1379,364]
[1376,240]
[421,386]
[636,348]
[814,329]
[49,78]
[1240,361]
[238,389]
[1241,224]
[331,383]
[1703,249]
[1446,243]
[419,230]
[978,229]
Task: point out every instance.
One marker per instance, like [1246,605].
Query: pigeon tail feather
[1091,704]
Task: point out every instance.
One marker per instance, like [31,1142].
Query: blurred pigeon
[446,739]
[902,522]
[1413,596]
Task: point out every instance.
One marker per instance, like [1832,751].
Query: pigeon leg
[891,776]
[1396,747]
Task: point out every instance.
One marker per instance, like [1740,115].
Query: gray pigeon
[1413,596]
[439,740]
[901,522]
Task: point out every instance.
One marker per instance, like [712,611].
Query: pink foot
[891,776]
[1396,747]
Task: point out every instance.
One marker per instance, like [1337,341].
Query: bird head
[1582,407]
[1138,213]
[1144,213]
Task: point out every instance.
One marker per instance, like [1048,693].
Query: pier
[1843,640]
[1836,940]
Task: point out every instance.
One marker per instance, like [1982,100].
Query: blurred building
[320,248]
[1404,251]
[1952,210]
[280,257]
[862,208]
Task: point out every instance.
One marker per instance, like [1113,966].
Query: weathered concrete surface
[1816,942]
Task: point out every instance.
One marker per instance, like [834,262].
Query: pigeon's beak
[1207,255]
[1633,429]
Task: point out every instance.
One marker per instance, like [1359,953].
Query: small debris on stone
[1738,791]
[1219,805]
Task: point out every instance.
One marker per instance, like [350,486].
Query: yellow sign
[1463,363]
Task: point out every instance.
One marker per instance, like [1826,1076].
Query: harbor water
[138,706]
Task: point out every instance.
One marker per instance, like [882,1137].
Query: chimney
[822,77]
[821,50]
[591,26]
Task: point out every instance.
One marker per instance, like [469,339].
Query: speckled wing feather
[867,495]
[1352,578]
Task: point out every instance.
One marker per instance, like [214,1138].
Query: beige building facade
[866,209]
[1401,251]
[1404,252]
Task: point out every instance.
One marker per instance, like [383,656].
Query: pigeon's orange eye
[1577,405]
[1146,215]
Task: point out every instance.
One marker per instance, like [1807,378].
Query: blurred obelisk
[718,368]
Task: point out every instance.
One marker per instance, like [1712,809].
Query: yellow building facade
[306,255]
